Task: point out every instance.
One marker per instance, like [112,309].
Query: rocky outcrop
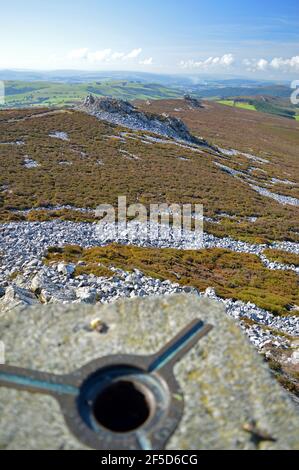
[228,390]
[110,105]
[193,103]
[125,114]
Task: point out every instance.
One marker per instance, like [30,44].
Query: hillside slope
[58,165]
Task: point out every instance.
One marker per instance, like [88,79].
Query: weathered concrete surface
[227,387]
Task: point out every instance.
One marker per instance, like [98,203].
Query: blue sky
[250,38]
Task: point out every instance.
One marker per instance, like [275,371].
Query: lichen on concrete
[231,400]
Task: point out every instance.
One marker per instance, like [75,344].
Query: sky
[256,38]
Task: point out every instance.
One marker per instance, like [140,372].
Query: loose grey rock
[67,269]
[30,163]
[16,297]
[87,295]
[54,295]
[59,135]
[37,283]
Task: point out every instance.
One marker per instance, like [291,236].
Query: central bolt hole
[121,407]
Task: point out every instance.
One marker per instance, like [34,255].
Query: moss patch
[282,257]
[95,269]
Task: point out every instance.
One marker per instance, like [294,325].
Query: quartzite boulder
[16,297]
[124,113]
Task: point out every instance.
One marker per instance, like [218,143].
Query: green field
[268,105]
[226,102]
[237,104]
[297,117]
[20,94]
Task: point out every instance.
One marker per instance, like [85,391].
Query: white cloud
[278,64]
[148,61]
[104,55]
[225,61]
[262,64]
[247,62]
[77,54]
[133,54]
[99,56]
[117,55]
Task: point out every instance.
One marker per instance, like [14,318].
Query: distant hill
[20,94]
[66,88]
[77,76]
[266,104]
[193,81]
[223,92]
